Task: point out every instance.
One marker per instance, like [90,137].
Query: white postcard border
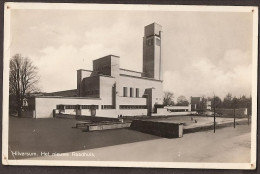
[66,6]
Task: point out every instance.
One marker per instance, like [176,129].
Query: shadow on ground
[57,136]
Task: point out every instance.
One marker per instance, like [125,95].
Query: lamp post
[247,113]
[235,101]
[234,117]
[214,114]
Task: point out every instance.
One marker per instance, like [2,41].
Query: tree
[227,102]
[182,101]
[244,102]
[23,79]
[168,98]
[235,103]
[203,104]
[218,102]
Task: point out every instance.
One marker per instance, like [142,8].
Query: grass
[57,136]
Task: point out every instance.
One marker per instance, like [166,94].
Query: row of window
[132,107]
[89,107]
[150,42]
[134,92]
[62,107]
[107,107]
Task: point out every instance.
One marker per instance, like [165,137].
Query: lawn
[57,136]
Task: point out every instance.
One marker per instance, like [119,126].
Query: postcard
[159,86]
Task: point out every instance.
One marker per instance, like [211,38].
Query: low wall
[163,111]
[188,108]
[211,126]
[240,112]
[97,119]
[107,126]
[163,129]
[86,118]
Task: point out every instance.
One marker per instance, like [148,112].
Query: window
[89,106]
[125,91]
[137,92]
[158,42]
[61,107]
[132,107]
[107,107]
[70,106]
[149,42]
[131,92]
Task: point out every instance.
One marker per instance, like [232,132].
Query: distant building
[178,108]
[200,104]
[208,107]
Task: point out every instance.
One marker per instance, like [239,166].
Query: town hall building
[110,91]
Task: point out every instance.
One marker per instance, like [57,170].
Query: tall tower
[152,51]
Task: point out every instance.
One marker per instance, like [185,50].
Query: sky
[203,52]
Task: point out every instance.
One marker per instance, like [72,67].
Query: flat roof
[106,57]
[153,24]
[61,91]
[95,75]
[129,70]
[84,70]
[61,97]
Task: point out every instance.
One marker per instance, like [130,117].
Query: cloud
[200,55]
[70,51]
[58,65]
[204,77]
[233,58]
[121,39]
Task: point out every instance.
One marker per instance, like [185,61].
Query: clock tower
[152,51]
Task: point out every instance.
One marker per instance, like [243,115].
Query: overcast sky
[203,52]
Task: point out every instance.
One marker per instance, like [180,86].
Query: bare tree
[168,98]
[23,79]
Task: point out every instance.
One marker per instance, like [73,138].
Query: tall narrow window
[137,92]
[149,42]
[131,92]
[125,91]
[158,42]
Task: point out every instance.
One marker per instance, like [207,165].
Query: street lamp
[235,101]
[214,114]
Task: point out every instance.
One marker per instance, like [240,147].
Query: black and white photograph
[157,86]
